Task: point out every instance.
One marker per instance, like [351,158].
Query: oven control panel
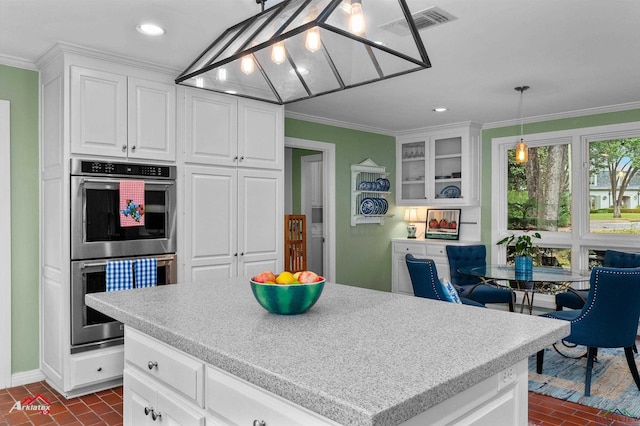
[82,167]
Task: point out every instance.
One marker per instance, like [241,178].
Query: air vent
[424,19]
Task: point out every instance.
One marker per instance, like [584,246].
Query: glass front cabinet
[439,166]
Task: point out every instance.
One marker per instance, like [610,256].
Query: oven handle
[160,259]
[114,181]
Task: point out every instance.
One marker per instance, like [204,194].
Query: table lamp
[411,216]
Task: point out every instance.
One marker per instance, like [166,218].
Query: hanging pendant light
[522,151]
[262,55]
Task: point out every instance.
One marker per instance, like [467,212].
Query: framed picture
[443,224]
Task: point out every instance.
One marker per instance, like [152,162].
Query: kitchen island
[357,357]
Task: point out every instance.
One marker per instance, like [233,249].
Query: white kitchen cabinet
[422,249]
[118,116]
[233,222]
[439,166]
[227,131]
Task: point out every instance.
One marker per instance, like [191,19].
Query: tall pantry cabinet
[233,185]
[92,106]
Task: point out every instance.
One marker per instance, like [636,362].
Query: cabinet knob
[259,423]
[235,158]
[242,254]
[152,364]
[242,158]
[124,148]
[155,416]
[99,369]
[133,148]
[147,410]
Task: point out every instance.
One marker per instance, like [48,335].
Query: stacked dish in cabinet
[370,186]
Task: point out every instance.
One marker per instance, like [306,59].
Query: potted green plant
[524,249]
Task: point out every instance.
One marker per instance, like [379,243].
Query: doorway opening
[318,173]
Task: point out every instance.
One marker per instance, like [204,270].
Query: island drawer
[235,401]
[171,367]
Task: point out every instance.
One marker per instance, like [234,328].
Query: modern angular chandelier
[299,49]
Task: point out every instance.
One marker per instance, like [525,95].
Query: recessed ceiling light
[150,29]
[441,109]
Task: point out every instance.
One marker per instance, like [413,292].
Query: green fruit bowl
[287,299]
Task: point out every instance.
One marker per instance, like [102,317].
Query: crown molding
[439,127]
[68,48]
[562,115]
[15,62]
[337,123]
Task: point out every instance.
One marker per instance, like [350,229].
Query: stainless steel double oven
[97,238]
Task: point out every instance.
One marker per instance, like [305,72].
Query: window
[614,185]
[539,191]
[580,189]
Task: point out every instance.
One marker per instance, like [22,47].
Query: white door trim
[5,246]
[305,200]
[328,198]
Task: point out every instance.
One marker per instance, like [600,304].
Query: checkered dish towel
[146,272]
[119,275]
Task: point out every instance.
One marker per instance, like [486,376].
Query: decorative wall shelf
[369,190]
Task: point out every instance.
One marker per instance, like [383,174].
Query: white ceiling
[575,54]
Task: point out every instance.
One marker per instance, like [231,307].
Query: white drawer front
[178,370]
[96,366]
[415,249]
[233,401]
[438,250]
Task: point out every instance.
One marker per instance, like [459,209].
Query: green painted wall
[541,127]
[363,252]
[20,87]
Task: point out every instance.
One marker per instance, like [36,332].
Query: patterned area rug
[612,386]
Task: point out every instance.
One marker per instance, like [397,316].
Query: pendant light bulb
[356,21]
[278,54]
[522,150]
[246,65]
[312,40]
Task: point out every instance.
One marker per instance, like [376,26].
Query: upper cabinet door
[98,113]
[211,128]
[152,116]
[260,135]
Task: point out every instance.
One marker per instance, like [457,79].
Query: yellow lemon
[285,278]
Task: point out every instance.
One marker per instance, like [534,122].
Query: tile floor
[105,408]
[101,408]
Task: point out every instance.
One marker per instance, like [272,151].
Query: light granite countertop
[359,357]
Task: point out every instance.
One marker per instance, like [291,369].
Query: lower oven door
[89,328]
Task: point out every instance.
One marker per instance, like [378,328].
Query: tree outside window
[539,191]
[615,190]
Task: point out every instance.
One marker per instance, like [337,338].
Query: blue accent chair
[425,281]
[473,287]
[609,318]
[574,299]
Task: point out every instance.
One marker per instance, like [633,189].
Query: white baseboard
[26,377]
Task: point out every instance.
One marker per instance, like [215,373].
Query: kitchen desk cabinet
[420,248]
[119,116]
[439,167]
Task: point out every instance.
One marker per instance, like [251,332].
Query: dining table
[541,279]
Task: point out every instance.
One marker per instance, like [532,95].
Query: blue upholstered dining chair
[425,281]
[472,287]
[574,299]
[609,318]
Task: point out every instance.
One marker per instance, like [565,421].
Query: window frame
[581,239]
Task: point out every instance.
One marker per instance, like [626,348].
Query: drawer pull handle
[259,423]
[155,416]
[148,410]
[152,364]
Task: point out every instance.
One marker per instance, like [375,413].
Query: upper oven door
[95,219]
